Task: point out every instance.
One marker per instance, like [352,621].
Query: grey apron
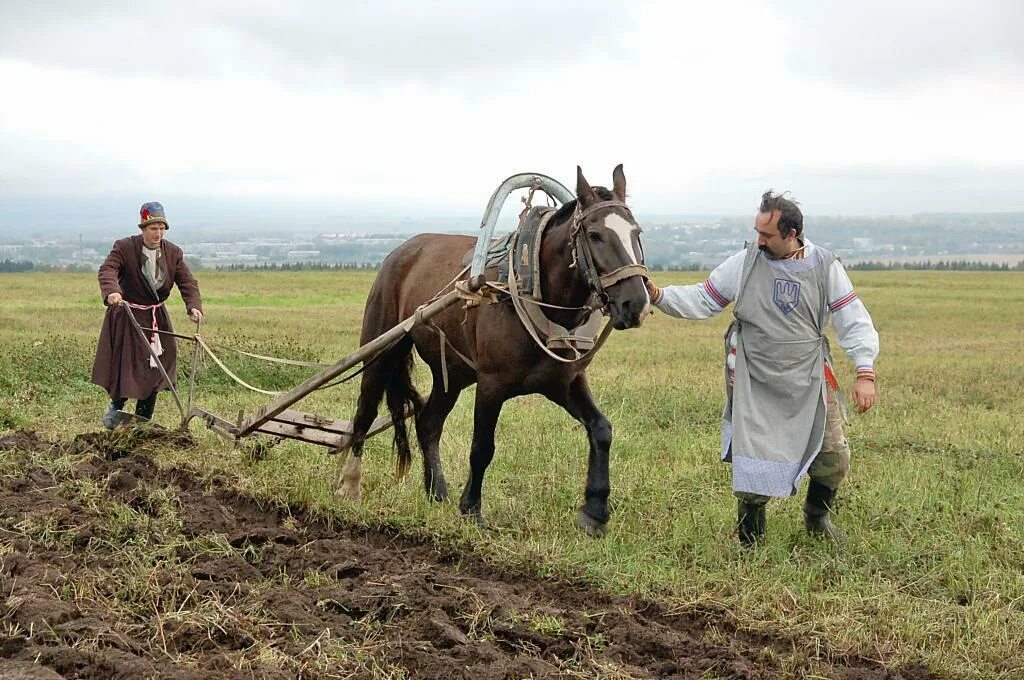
[774,419]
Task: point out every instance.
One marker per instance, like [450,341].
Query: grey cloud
[310,41]
[881,44]
[853,190]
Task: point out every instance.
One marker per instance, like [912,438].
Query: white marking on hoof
[351,479]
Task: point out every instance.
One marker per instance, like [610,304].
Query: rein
[154,355]
[154,337]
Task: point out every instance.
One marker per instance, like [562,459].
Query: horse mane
[568,208]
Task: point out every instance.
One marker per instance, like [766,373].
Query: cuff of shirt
[865,372]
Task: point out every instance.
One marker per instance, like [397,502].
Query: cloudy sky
[409,108]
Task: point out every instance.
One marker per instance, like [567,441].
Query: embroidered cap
[152,212]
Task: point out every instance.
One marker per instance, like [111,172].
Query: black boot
[111,418]
[751,522]
[144,407]
[820,501]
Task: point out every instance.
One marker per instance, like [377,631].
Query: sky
[324,111]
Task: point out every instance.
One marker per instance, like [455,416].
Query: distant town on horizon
[669,242]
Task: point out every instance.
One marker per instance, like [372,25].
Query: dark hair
[790,219]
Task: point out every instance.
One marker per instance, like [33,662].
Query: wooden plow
[277,418]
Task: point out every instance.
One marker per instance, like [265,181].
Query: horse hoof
[591,526]
[352,479]
[438,492]
[351,492]
[474,515]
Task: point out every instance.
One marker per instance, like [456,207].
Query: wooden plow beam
[276,418]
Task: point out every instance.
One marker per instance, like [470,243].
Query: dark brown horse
[508,362]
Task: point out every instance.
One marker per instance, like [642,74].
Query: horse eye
[595,237]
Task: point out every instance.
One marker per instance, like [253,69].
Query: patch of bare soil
[113,568]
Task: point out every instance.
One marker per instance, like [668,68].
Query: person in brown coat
[140,271]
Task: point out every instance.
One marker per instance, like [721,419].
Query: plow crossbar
[314,429]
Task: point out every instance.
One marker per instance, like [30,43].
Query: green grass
[934,505]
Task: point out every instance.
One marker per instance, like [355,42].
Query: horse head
[607,251]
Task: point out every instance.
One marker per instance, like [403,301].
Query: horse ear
[619,183]
[584,194]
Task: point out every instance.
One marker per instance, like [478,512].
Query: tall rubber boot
[110,418]
[751,522]
[145,407]
[820,502]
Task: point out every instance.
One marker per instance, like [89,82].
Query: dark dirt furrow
[114,568]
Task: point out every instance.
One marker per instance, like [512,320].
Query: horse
[590,258]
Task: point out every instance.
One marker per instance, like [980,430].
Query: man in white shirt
[783,415]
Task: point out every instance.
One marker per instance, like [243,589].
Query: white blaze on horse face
[622,228]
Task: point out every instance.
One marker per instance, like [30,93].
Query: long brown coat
[122,358]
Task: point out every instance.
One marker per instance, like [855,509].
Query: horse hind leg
[373,385]
[429,425]
[371,391]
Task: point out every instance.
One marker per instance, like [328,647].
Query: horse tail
[401,396]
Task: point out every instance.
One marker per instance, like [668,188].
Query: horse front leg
[429,425]
[579,402]
[485,418]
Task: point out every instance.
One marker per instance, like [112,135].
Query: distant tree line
[296,266]
[940,265]
[671,267]
[8,266]
[15,266]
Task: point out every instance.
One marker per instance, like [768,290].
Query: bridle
[581,259]
[597,281]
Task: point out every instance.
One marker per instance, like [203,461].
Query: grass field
[933,572]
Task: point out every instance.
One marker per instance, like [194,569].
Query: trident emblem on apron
[787,295]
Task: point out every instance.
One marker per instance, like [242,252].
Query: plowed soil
[111,567]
